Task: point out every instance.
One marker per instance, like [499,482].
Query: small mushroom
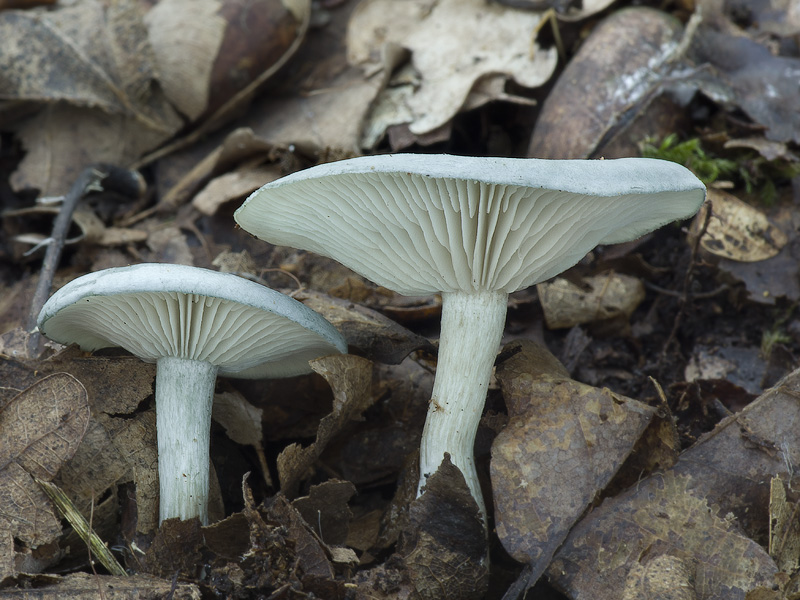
[474,230]
[194,324]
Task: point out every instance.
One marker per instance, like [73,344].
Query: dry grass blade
[82,528]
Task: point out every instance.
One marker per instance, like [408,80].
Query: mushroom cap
[158,310]
[425,223]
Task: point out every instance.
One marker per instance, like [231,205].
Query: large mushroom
[474,230]
[194,324]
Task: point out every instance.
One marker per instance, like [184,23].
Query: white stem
[472,325]
[184,395]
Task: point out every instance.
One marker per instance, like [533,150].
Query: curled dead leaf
[621,63]
[350,378]
[373,334]
[736,230]
[449,68]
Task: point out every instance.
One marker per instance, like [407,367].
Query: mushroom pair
[474,230]
[194,324]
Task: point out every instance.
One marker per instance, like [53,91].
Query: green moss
[744,166]
[691,155]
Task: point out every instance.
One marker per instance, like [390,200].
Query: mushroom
[194,324]
[474,230]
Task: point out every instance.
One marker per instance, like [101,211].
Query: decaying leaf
[378,452]
[443,545]
[563,443]
[665,517]
[702,510]
[120,441]
[662,576]
[80,586]
[736,230]
[784,528]
[325,510]
[169,245]
[94,67]
[41,428]
[373,334]
[261,550]
[742,71]
[322,108]
[243,424]
[742,366]
[618,67]
[350,378]
[235,185]
[766,281]
[186,39]
[441,39]
[602,297]
[241,420]
[235,262]
[183,175]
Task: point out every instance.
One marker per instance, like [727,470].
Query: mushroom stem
[184,395]
[472,325]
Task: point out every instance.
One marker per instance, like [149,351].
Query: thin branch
[94,178]
[683,301]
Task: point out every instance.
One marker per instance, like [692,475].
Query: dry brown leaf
[322,110]
[441,38]
[601,297]
[326,511]
[617,67]
[208,51]
[115,385]
[169,245]
[241,420]
[41,428]
[661,577]
[701,510]
[443,545]
[86,54]
[235,262]
[350,378]
[563,443]
[374,335]
[120,441]
[186,36]
[736,230]
[235,185]
[181,176]
[92,63]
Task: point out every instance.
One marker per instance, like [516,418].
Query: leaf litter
[633,492]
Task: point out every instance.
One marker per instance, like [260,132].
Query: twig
[683,301]
[94,178]
[699,296]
